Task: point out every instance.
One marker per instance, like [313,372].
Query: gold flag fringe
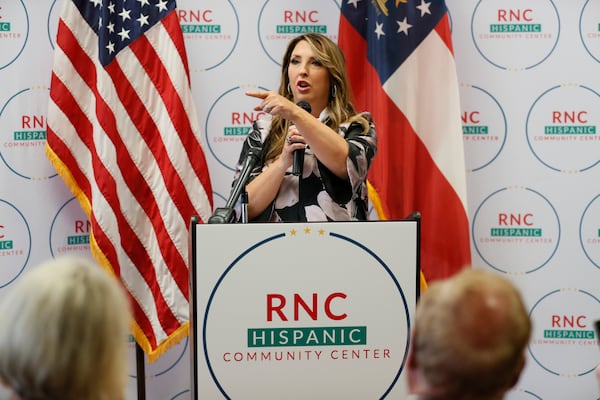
[136,331]
[376,202]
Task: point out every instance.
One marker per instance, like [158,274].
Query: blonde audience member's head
[63,333]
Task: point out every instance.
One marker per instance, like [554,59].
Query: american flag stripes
[122,133]
[401,67]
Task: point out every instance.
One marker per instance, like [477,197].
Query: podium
[302,310]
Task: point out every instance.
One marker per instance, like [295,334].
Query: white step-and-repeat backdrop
[530,98]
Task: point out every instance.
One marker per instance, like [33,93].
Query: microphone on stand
[299,154]
[226,214]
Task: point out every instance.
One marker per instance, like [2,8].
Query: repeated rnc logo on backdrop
[516,230]
[589,231]
[589,28]
[14,31]
[228,123]
[281,20]
[15,243]
[484,126]
[280,318]
[515,35]
[563,341]
[564,121]
[70,231]
[211,31]
[23,134]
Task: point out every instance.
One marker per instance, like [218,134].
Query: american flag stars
[119,23]
[125,134]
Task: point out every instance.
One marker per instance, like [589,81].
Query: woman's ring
[267,109]
[289,140]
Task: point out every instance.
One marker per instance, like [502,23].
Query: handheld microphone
[299,154]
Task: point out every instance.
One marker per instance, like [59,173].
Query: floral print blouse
[318,194]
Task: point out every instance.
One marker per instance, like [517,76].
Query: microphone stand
[226,214]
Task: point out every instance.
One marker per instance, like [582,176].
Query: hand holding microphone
[299,154]
[272,105]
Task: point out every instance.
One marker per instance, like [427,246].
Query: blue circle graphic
[497,268]
[280,236]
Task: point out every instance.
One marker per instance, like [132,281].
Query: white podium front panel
[302,311]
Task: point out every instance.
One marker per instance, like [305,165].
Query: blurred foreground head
[469,338]
[63,333]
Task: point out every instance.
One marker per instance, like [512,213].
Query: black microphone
[299,154]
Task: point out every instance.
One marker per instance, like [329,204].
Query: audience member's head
[63,333]
[469,338]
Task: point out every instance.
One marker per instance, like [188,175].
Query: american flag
[122,133]
[401,67]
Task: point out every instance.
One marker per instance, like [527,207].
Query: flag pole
[140,372]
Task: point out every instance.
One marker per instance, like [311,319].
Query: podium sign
[302,311]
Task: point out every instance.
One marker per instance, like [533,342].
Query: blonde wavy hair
[339,106]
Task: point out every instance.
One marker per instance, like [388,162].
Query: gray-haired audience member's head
[469,338]
[63,333]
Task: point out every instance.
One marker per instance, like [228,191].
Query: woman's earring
[333,90]
[289,89]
